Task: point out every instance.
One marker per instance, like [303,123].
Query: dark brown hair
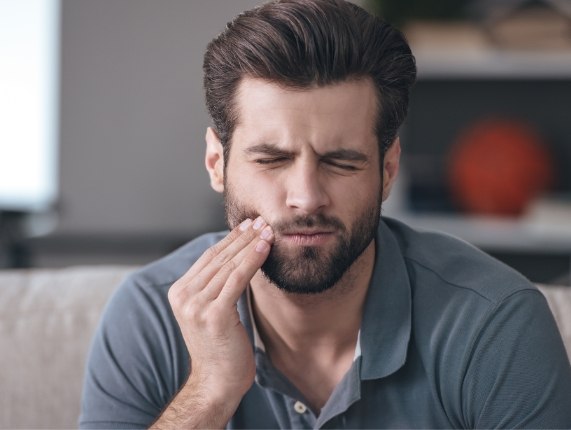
[306,43]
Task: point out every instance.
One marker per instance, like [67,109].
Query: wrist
[193,407]
[216,396]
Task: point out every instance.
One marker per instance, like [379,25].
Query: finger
[232,243]
[218,281]
[217,248]
[239,278]
[196,280]
[179,291]
[231,253]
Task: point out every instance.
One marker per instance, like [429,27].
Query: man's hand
[204,305]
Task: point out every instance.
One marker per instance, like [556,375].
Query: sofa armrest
[559,299]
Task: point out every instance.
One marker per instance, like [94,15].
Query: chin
[311,270]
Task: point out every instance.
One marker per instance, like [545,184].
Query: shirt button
[299,407]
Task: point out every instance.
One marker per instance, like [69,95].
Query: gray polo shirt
[450,338]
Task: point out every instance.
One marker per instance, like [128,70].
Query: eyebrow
[338,154]
[346,154]
[265,148]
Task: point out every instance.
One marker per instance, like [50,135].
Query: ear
[214,160]
[391,167]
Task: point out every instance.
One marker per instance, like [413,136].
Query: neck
[311,339]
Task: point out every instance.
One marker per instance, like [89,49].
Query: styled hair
[307,43]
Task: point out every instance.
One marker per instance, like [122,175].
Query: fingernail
[262,246]
[258,223]
[266,233]
[245,224]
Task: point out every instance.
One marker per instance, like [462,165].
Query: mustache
[311,221]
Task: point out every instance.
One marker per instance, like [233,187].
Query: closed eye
[346,160]
[273,160]
[267,155]
[344,164]
[341,165]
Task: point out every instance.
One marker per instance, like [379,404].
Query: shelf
[492,64]
[465,50]
[497,234]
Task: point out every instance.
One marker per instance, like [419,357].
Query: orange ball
[497,167]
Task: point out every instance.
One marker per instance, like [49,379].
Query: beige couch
[47,319]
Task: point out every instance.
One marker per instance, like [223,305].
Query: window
[29,108]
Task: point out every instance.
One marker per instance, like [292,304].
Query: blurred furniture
[47,320]
[463,79]
[13,252]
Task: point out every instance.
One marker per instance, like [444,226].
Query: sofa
[47,319]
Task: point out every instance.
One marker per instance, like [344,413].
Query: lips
[305,231]
[307,237]
[313,230]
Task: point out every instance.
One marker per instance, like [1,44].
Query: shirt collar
[257,340]
[386,326]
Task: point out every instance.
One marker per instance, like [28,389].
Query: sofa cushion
[48,318]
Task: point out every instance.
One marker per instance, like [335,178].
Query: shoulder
[440,261]
[144,292]
[458,289]
[141,304]
[138,317]
[142,297]
[484,334]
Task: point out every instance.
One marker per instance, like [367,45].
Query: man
[314,311]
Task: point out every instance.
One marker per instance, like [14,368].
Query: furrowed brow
[265,149]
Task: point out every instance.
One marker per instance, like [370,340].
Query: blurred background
[102,128]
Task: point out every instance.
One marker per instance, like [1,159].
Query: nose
[306,190]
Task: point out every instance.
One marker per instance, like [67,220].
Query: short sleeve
[137,360]
[518,374]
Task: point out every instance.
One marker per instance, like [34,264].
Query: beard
[308,269]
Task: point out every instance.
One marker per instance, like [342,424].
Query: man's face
[307,161]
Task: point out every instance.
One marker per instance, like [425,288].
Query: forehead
[319,115]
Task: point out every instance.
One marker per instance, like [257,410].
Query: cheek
[362,191]
[266,201]
[360,197]
[254,192]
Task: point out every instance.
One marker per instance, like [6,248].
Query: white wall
[133,116]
